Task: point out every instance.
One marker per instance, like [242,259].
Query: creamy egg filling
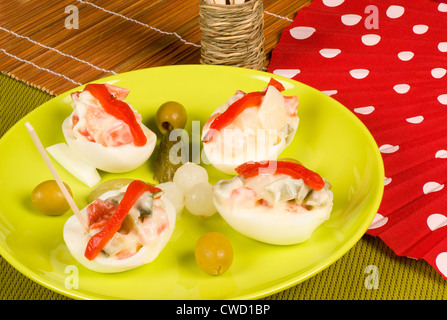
[258,133]
[102,140]
[139,241]
[273,208]
[91,122]
[145,223]
[275,194]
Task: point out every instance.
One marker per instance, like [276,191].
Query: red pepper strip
[278,85]
[119,109]
[98,241]
[251,99]
[295,170]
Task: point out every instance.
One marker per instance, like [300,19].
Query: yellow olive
[171,115]
[113,184]
[214,253]
[48,198]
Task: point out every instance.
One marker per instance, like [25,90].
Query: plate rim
[270,290]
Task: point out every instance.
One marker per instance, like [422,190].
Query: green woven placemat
[370,270]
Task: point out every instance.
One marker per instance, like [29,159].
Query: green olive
[48,198]
[113,184]
[214,253]
[171,115]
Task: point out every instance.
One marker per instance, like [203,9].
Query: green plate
[329,140]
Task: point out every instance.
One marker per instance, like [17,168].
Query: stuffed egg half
[142,234]
[250,126]
[105,132]
[280,208]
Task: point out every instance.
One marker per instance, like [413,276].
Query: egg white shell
[76,241]
[111,159]
[273,227]
[214,154]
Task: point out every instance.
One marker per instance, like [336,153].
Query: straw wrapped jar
[233,34]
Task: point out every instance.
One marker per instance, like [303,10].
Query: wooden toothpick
[53,171]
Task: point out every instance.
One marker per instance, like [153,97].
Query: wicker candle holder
[233,34]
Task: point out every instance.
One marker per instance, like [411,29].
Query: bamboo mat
[114,36]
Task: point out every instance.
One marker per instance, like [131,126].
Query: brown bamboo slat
[114,36]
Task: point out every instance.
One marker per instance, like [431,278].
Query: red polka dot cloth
[386,61]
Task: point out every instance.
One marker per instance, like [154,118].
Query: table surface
[44,48]
[398,277]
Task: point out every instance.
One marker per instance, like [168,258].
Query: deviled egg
[105,132]
[276,202]
[252,126]
[128,227]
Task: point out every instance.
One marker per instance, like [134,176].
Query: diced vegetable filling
[119,233]
[99,212]
[272,113]
[276,191]
[101,115]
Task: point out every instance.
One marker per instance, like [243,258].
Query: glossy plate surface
[329,140]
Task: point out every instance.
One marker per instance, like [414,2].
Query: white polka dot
[288,73]
[442,46]
[330,92]
[350,19]
[330,53]
[405,55]
[387,181]
[388,148]
[420,29]
[442,7]
[441,263]
[301,33]
[359,73]
[438,73]
[378,221]
[333,3]
[436,221]
[441,154]
[364,110]
[432,187]
[443,99]
[395,12]
[401,88]
[370,39]
[417,119]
